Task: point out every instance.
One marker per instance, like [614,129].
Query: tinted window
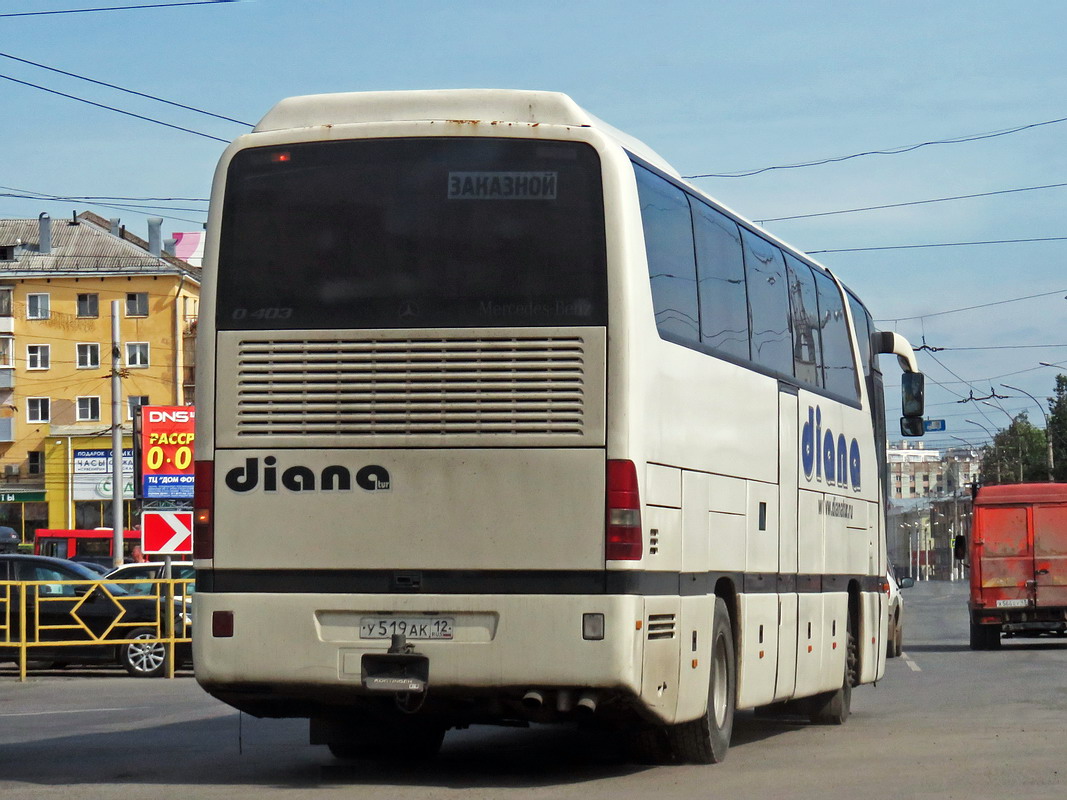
[671,266]
[772,344]
[805,322]
[389,233]
[861,318]
[838,366]
[721,271]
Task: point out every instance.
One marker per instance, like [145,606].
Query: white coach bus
[499,421]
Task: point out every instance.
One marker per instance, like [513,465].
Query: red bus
[83,545]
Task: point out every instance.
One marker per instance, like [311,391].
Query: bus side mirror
[907,583]
[959,548]
[912,403]
[911,426]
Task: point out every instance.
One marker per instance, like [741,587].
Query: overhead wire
[972,308]
[936,244]
[887,151]
[112,108]
[128,91]
[913,203]
[115,8]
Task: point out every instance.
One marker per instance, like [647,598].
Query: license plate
[409,627]
[1019,603]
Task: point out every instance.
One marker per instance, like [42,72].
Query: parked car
[9,540]
[84,612]
[95,566]
[895,638]
[149,571]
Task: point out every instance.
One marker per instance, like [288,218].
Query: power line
[891,151]
[913,203]
[104,197]
[130,206]
[128,91]
[994,347]
[116,8]
[972,308]
[116,110]
[936,244]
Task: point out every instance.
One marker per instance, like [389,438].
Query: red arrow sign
[167,532]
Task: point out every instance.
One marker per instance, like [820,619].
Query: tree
[1057,423]
[1017,453]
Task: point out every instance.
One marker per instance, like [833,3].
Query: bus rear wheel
[413,741]
[705,740]
[833,708]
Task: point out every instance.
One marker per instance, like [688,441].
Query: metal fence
[96,622]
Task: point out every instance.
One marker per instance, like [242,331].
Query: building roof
[83,245]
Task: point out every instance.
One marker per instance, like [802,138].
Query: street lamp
[1048,430]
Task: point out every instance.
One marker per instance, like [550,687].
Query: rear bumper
[294,654]
[1037,617]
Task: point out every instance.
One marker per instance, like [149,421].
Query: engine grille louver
[412,387]
[661,626]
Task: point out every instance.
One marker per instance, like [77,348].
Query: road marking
[911,664]
[69,711]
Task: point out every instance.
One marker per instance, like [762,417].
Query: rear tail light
[204,510]
[623,517]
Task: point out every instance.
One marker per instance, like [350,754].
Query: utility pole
[117,527]
[1048,429]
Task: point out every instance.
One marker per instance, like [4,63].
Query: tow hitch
[400,669]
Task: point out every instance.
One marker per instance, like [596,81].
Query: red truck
[1018,561]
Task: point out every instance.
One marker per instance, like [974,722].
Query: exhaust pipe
[533,700]
[587,703]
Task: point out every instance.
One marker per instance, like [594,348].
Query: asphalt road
[945,722]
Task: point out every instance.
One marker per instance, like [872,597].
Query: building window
[7,252]
[137,304]
[88,305]
[133,402]
[5,302]
[88,356]
[38,409]
[38,356]
[137,354]
[37,306]
[88,409]
[6,346]
[36,462]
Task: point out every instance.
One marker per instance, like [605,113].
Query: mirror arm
[890,342]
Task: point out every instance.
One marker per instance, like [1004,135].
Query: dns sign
[166,445]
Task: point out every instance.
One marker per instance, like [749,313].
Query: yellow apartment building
[58,282]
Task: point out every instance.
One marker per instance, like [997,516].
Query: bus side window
[721,281]
[805,322]
[838,365]
[668,229]
[768,299]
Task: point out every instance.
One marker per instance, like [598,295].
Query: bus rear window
[413,233]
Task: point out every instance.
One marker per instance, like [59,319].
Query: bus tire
[146,658]
[833,708]
[410,742]
[705,740]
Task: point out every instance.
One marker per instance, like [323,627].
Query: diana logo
[371,478]
[828,457]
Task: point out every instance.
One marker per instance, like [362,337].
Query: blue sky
[714,87]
